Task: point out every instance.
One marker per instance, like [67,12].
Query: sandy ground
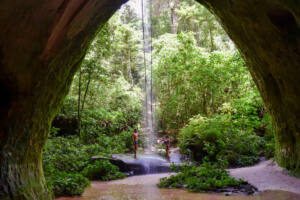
[271,180]
[267,175]
[144,188]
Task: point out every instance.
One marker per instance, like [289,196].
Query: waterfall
[148,116]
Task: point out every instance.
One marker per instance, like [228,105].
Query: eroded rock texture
[42,44]
[267,33]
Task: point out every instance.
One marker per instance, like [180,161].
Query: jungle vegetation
[205,99]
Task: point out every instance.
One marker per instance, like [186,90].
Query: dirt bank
[267,175]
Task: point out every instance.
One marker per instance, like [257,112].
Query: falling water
[148,117]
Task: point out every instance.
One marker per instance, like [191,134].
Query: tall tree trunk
[174,17]
[129,71]
[211,36]
[204,101]
[212,102]
[86,91]
[78,105]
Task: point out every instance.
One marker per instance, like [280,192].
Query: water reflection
[144,188]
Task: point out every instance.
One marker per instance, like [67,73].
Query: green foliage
[106,100]
[208,177]
[269,140]
[66,159]
[64,154]
[161,22]
[215,95]
[189,82]
[67,184]
[105,95]
[295,173]
[109,109]
[269,146]
[219,138]
[102,170]
[190,17]
[100,122]
[203,90]
[197,19]
[110,144]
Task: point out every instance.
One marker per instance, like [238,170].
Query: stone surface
[144,164]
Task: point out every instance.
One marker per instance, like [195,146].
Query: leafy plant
[67,184]
[66,160]
[207,177]
[102,170]
[218,138]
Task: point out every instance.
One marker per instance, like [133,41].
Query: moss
[26,181]
[287,154]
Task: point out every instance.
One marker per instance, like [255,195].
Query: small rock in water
[228,193]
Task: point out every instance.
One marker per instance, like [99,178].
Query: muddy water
[144,188]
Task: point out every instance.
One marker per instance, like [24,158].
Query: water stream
[148,124]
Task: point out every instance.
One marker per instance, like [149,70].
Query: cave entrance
[46,44]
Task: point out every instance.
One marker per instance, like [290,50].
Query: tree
[189,81]
[111,60]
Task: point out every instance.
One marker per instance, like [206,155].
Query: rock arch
[267,33]
[43,42]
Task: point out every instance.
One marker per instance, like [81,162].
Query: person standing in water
[167,143]
[135,136]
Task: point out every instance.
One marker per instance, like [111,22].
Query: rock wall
[267,33]
[42,44]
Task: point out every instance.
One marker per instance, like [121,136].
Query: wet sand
[267,175]
[144,188]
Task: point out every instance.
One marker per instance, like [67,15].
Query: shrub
[67,184]
[102,170]
[65,154]
[200,179]
[269,141]
[111,144]
[108,122]
[65,158]
[218,138]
